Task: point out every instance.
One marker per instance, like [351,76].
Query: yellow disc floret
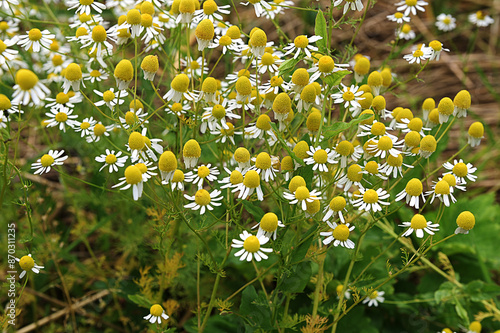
[418,222]
[124,70]
[191,149]
[180,83]
[476,130]
[370,196]
[167,162]
[251,244]
[202,197]
[269,222]
[241,155]
[414,187]
[341,232]
[26,263]
[136,141]
[46,160]
[251,179]
[133,175]
[205,30]
[295,183]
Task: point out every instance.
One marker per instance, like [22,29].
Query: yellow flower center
[301,42]
[446,20]
[73,72]
[326,64]
[156,310]
[111,159]
[354,173]
[395,161]
[302,193]
[205,30]
[124,70]
[320,156]
[35,34]
[301,149]
[276,81]
[462,99]
[56,60]
[202,197]
[313,121]
[146,20]
[263,122]
[136,141]
[345,148]
[460,169]
[269,222]
[134,17]
[348,95]
[378,128]
[373,294]
[295,183]
[371,167]
[341,232]
[258,38]
[5,103]
[362,66]
[418,53]
[337,204]
[99,129]
[61,117]
[370,196]
[300,77]
[446,106]
[398,15]
[385,143]
[480,15]
[4,26]
[203,171]
[418,222]
[233,32]
[147,8]
[251,244]
[450,179]
[225,40]
[95,73]
[236,177]
[3,46]
[242,155]
[243,86]
[263,161]
[415,124]
[133,175]
[313,206]
[26,79]
[442,187]
[167,162]
[476,130]
[411,3]
[428,143]
[252,179]
[178,176]
[209,7]
[108,96]
[436,45]
[26,263]
[47,160]
[466,220]
[99,34]
[414,187]
[406,28]
[308,94]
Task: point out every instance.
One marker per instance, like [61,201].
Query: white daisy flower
[419,224]
[28,264]
[268,226]
[28,89]
[349,96]
[406,32]
[301,44]
[398,18]
[320,158]
[461,170]
[371,200]
[224,134]
[177,181]
[421,54]
[7,54]
[251,247]
[325,66]
[345,150]
[394,166]
[411,6]
[354,176]
[250,184]
[110,98]
[264,167]
[203,200]
[445,22]
[36,39]
[301,196]
[260,6]
[114,161]
[340,233]
[85,6]
[202,173]
[385,146]
[435,48]
[47,161]
[156,312]
[374,298]
[132,178]
[61,117]
[234,179]
[336,206]
[133,118]
[412,192]
[442,191]
[211,11]
[481,20]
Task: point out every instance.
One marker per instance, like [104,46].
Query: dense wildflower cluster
[291,126]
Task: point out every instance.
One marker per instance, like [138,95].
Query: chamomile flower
[301,44]
[324,67]
[234,179]
[419,224]
[475,134]
[227,44]
[371,200]
[269,62]
[61,117]
[465,222]
[462,102]
[435,48]
[202,173]
[406,32]
[98,39]
[453,182]
[3,120]
[461,170]
[412,192]
[442,191]
[133,118]
[49,160]
[354,4]
[385,146]
[218,114]
[177,181]
[398,17]
[264,167]
[28,264]
[179,89]
[204,34]
[251,247]
[268,226]
[376,130]
[250,184]
[349,96]
[339,233]
[428,146]
[7,54]
[85,6]
[132,178]
[319,158]
[301,196]
[374,298]
[211,11]
[124,73]
[445,22]
[394,166]
[242,157]
[411,6]
[421,54]
[343,151]
[6,106]
[353,176]
[260,6]
[36,39]
[146,169]
[336,206]
[156,313]
[475,327]
[111,160]
[261,128]
[478,18]
[28,89]
[110,98]
[204,200]
[98,130]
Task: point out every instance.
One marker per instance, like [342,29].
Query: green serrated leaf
[339,127]
[283,143]
[140,300]
[320,30]
[287,65]
[335,78]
